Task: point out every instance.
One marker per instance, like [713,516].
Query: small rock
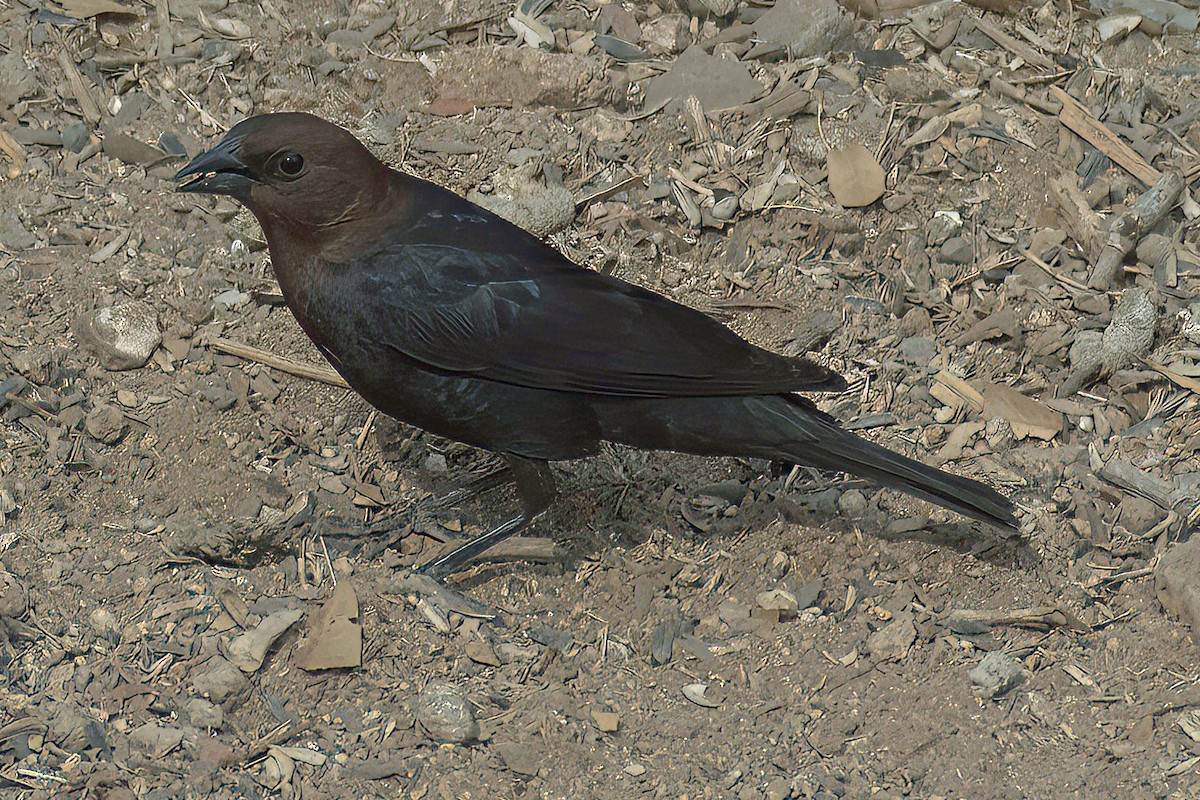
[123,336]
[943,225]
[779,600]
[220,681]
[220,397]
[606,721]
[1177,581]
[76,136]
[155,740]
[852,504]
[893,641]
[203,714]
[103,620]
[231,300]
[521,758]
[605,127]
[128,149]
[248,651]
[957,250]
[14,597]
[779,789]
[718,83]
[805,28]
[13,234]
[446,716]
[856,178]
[106,424]
[667,34]
[917,350]
[997,674]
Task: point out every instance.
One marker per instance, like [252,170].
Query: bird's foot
[437,601]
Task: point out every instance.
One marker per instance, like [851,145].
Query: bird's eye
[290,164]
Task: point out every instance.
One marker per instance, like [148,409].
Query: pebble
[779,789]
[14,234]
[14,597]
[123,336]
[1177,581]
[943,414]
[221,398]
[917,350]
[203,714]
[943,225]
[220,681]
[103,620]
[231,300]
[445,714]
[893,641]
[521,758]
[853,504]
[957,250]
[76,136]
[106,424]
[154,739]
[249,650]
[998,673]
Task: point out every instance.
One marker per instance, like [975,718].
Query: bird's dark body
[451,319]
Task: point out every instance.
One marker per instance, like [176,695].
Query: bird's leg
[535,488]
[476,486]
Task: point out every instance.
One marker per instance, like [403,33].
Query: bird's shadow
[1012,552]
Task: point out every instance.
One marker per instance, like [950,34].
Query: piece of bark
[1078,219]
[1127,229]
[1012,45]
[1076,117]
[1122,474]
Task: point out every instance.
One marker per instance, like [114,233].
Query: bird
[449,318]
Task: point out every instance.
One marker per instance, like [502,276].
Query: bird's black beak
[218,171]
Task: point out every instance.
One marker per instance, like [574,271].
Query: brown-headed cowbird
[447,317]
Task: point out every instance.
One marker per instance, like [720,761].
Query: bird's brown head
[294,171]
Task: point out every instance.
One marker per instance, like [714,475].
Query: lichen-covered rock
[445,714]
[123,336]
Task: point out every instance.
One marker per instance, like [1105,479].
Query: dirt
[696,628]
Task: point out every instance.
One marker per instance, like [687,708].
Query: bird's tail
[836,448]
[790,428]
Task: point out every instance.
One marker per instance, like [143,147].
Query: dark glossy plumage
[447,317]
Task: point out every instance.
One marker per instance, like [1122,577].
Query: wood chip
[956,392]
[1027,416]
[1012,45]
[1077,118]
[79,88]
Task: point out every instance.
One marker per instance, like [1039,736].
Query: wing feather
[554,325]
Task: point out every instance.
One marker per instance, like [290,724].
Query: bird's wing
[558,326]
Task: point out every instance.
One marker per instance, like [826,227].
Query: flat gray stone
[1177,581]
[718,83]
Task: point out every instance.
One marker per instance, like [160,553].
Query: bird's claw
[440,600]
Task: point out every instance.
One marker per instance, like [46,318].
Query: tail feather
[868,460]
[835,448]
